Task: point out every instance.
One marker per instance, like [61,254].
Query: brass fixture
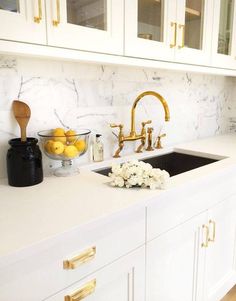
[39,17]
[182,26]
[58,19]
[158,144]
[174,24]
[133,135]
[149,147]
[205,243]
[213,223]
[82,292]
[73,263]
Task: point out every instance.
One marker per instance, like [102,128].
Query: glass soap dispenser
[98,149]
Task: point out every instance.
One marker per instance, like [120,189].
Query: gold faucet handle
[158,144]
[146,122]
[113,125]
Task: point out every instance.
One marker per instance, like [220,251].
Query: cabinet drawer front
[123,280]
[72,256]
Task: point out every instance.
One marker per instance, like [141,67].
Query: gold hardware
[39,17]
[133,135]
[120,138]
[174,24]
[58,20]
[212,239]
[158,144]
[205,244]
[82,258]
[182,26]
[149,147]
[83,292]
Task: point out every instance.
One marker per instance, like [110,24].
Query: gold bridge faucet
[133,135]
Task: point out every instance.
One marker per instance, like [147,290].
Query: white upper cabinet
[194,30]
[23,21]
[150,28]
[224,34]
[92,25]
[176,30]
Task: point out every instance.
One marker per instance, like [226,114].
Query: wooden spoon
[22,114]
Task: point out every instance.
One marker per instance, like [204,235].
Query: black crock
[24,163]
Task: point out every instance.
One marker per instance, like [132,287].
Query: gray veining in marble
[92,96]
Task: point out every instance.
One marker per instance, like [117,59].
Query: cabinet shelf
[192,13]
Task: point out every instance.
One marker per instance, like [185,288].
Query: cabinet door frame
[197,235]
[222,214]
[21,26]
[222,60]
[143,48]
[73,36]
[191,55]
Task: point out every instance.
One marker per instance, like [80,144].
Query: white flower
[138,173]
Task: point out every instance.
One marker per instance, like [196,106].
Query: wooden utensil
[22,114]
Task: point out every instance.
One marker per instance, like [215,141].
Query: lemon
[70,151]
[70,135]
[58,132]
[48,145]
[57,147]
[59,135]
[80,145]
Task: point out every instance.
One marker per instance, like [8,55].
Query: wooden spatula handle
[23,134]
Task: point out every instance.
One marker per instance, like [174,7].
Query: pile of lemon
[66,144]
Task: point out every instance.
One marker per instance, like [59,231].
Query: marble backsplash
[92,96]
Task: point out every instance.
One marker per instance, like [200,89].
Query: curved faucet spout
[159,97]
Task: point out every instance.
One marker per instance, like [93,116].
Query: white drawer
[41,274]
[177,206]
[121,280]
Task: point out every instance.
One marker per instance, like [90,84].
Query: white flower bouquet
[138,174]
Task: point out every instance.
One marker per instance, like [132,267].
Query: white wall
[92,96]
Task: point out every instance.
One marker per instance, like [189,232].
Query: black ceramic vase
[24,163]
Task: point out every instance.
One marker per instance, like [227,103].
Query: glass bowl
[59,144]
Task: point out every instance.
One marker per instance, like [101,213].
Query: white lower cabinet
[175,261]
[123,280]
[221,251]
[195,261]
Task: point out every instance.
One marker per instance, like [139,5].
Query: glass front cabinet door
[23,21]
[194,31]
[150,29]
[92,25]
[224,38]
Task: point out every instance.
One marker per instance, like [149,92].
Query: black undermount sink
[175,163]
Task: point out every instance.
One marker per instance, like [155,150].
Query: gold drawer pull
[205,243]
[211,222]
[73,263]
[83,292]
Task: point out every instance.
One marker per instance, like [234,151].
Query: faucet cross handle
[113,125]
[146,122]
[143,131]
[120,126]
[158,144]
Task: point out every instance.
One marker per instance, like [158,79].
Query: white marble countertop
[32,214]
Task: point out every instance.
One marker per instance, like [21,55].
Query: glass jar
[24,163]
